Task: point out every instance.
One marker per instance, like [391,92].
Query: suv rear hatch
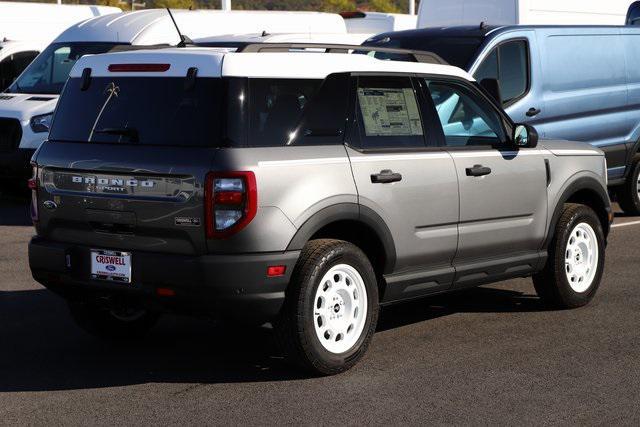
[127,158]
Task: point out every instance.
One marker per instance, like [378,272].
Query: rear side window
[276,106]
[509,64]
[388,113]
[141,110]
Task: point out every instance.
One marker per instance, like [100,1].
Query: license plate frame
[114,266]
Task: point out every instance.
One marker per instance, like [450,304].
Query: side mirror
[492,87]
[525,136]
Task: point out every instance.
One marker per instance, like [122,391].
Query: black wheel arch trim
[352,212]
[632,153]
[583,183]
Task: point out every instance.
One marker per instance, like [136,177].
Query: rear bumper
[15,164]
[226,286]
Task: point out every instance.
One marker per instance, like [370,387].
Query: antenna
[184,40]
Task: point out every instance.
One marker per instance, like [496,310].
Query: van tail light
[33,186]
[231,202]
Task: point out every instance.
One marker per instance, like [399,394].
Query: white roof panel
[213,62]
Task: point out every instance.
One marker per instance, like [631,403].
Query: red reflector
[276,270]
[165,292]
[138,68]
[228,197]
[33,184]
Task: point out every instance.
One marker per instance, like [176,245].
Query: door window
[466,118]
[509,64]
[633,15]
[388,113]
[13,65]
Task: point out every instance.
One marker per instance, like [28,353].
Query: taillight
[33,185]
[231,202]
[138,68]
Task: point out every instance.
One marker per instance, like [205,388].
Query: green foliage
[173,4]
[391,6]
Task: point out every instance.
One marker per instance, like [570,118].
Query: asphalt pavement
[492,355]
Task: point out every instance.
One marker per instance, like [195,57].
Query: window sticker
[389,112]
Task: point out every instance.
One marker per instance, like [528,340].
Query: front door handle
[533,112]
[478,170]
[385,177]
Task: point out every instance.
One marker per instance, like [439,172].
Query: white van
[27,28]
[445,13]
[236,41]
[378,22]
[26,107]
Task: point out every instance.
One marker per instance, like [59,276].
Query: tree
[339,5]
[388,6]
[173,4]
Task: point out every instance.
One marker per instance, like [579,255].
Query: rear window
[141,110]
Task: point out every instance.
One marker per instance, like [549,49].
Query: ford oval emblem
[50,204]
[111,267]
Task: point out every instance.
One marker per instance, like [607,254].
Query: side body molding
[348,212]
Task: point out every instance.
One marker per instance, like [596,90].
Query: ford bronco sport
[301,188]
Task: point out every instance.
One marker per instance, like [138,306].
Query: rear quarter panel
[293,184]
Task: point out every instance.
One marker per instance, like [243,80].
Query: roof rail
[417,55]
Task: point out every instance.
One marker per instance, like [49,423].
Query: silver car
[302,188]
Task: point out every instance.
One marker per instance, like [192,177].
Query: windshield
[141,110]
[49,71]
[457,51]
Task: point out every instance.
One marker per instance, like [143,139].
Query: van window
[509,64]
[275,109]
[466,118]
[388,113]
[13,65]
[141,110]
[633,15]
[49,71]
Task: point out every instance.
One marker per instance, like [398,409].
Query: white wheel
[340,308]
[581,257]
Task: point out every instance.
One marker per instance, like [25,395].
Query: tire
[326,325]
[628,195]
[575,264]
[112,324]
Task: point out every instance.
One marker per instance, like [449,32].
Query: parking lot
[490,355]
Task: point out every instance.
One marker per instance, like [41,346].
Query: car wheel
[117,323]
[331,307]
[576,259]
[628,194]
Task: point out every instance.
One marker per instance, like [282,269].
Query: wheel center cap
[336,308]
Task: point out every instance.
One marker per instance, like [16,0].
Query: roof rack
[417,55]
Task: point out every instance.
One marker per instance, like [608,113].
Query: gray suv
[302,188]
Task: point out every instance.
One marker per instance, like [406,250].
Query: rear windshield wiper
[131,133]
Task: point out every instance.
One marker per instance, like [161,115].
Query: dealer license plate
[114,266]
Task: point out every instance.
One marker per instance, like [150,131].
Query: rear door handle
[385,177]
[533,112]
[478,170]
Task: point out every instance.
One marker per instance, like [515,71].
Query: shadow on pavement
[41,348]
[14,210]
